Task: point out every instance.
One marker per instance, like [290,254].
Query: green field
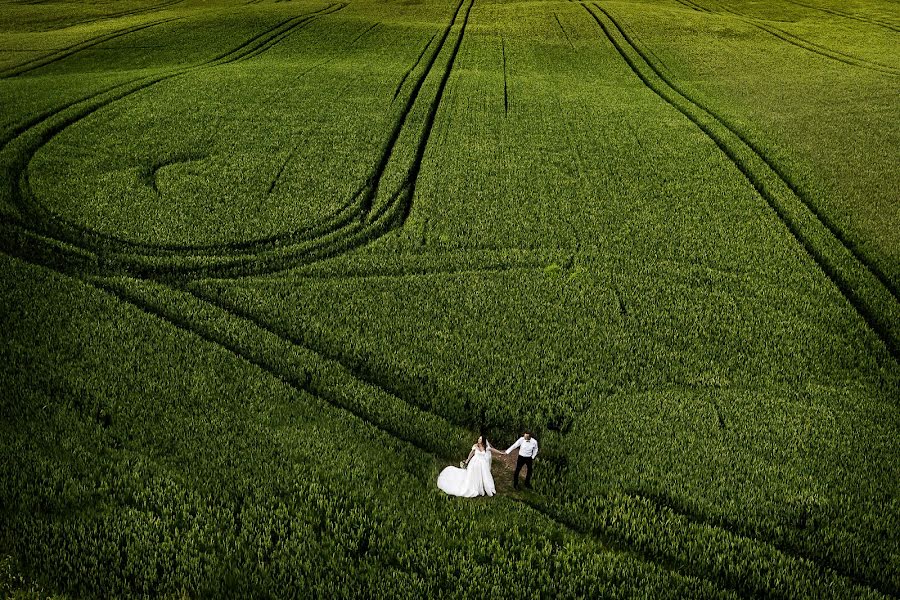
[267,267]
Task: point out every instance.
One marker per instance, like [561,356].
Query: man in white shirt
[528,449]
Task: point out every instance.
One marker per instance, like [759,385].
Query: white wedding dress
[475,480]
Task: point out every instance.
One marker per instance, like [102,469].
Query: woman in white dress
[476,478]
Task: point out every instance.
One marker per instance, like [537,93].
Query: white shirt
[527,448]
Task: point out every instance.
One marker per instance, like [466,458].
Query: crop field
[267,267]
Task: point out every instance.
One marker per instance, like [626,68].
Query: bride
[475,479]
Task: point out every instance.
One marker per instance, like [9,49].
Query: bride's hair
[484,441]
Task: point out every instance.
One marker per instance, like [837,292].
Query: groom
[528,449]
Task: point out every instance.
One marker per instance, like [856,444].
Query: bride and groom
[474,478]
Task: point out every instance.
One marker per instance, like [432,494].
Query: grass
[268,267]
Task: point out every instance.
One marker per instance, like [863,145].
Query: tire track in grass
[619,541]
[412,68]
[860,282]
[412,175]
[564,32]
[149,176]
[373,224]
[359,371]
[19,130]
[15,131]
[254,346]
[127,13]
[269,37]
[424,272]
[72,112]
[64,53]
[265,349]
[667,503]
[419,427]
[820,50]
[678,100]
[855,17]
[360,36]
[505,86]
[333,384]
[810,46]
[292,28]
[393,214]
[795,189]
[693,6]
[119,257]
[381,166]
[448,73]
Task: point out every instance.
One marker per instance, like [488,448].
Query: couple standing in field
[473,477]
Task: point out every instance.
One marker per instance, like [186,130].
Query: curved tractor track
[846,15]
[118,15]
[864,286]
[64,53]
[130,13]
[805,44]
[302,364]
[361,219]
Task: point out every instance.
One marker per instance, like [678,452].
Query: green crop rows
[268,266]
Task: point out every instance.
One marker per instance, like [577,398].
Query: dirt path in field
[502,468]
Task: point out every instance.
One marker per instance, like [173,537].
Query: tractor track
[353,231]
[268,38]
[150,174]
[361,35]
[117,256]
[798,41]
[861,283]
[249,349]
[810,46]
[823,562]
[64,53]
[818,49]
[128,13]
[53,122]
[306,382]
[787,548]
[358,369]
[505,84]
[693,6]
[563,30]
[412,68]
[294,148]
[382,164]
[876,271]
[414,169]
[846,15]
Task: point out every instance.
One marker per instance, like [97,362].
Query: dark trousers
[523,461]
